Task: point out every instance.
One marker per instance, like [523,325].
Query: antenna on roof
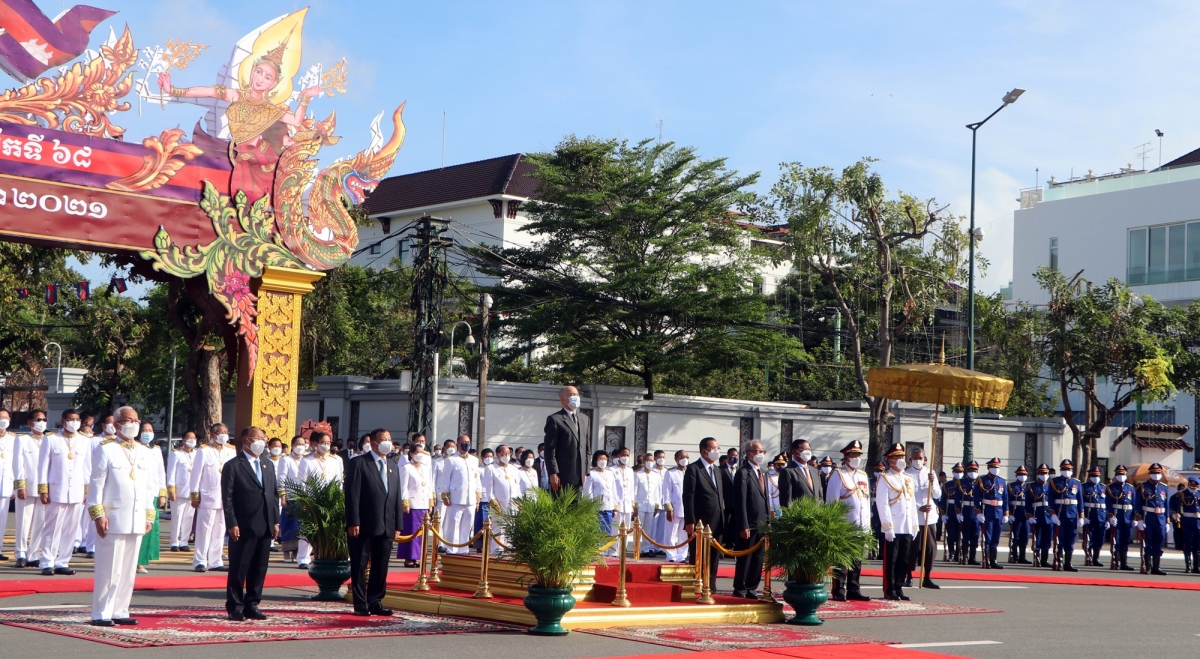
[443,139]
[1145,149]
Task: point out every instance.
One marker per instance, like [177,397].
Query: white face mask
[972,474]
[1043,477]
[276,451]
[190,443]
[805,456]
[918,464]
[1021,479]
[110,429]
[826,470]
[900,464]
[487,462]
[419,458]
[130,430]
[623,460]
[993,471]
[4,424]
[504,459]
[385,447]
[323,448]
[1094,480]
[1121,478]
[529,462]
[298,449]
[1067,473]
[660,461]
[71,426]
[681,463]
[573,403]
[222,438]
[758,459]
[713,455]
[1155,477]
[256,447]
[39,426]
[450,451]
[854,462]
[602,464]
[146,437]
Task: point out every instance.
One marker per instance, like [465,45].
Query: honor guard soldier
[966,506]
[1173,516]
[1065,510]
[993,494]
[928,491]
[895,497]
[1150,510]
[1095,514]
[850,485]
[1021,512]
[1120,497]
[1189,522]
[1038,496]
[953,528]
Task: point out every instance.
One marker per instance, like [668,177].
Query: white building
[1140,227]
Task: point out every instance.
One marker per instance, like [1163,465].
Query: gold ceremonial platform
[466,586]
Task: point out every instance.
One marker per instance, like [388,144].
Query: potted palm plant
[320,508]
[808,539]
[556,537]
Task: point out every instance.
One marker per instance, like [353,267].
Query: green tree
[637,267]
[109,331]
[1009,349]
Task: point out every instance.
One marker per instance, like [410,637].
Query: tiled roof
[1187,159]
[472,180]
[1163,444]
[1163,436]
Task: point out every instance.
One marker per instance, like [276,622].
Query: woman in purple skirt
[416,490]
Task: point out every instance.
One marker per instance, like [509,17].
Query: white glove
[1112,521]
[1141,526]
[1007,519]
[1084,522]
[959,517]
[889,535]
[945,519]
[1054,520]
[979,518]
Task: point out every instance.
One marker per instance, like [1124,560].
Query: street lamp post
[969,418]
[59,378]
[470,341]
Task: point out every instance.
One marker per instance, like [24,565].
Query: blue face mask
[732,461]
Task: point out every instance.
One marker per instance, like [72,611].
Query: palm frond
[320,507]
[556,537]
[811,536]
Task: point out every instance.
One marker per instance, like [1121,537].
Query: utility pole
[485,310]
[429,285]
[171,405]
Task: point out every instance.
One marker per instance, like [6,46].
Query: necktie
[258,471]
[712,475]
[761,484]
[807,476]
[383,474]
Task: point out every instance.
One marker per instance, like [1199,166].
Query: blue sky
[756,82]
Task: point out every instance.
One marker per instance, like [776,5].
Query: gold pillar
[269,400]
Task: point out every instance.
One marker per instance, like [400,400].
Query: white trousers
[647,519]
[31,523]
[210,537]
[116,568]
[303,552]
[58,540]
[457,527]
[87,531]
[675,536]
[182,514]
[3,520]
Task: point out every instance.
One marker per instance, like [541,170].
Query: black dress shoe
[33,564]
[20,563]
[359,612]
[929,584]
[380,611]
[904,598]
[125,621]
[908,582]
[891,597]
[838,598]
[47,572]
[64,570]
[1070,568]
[255,614]
[738,593]
[858,597]
[237,616]
[3,557]
[91,554]
[200,568]
[102,623]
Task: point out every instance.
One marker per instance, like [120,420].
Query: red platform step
[643,587]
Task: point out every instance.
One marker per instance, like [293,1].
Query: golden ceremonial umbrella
[1140,472]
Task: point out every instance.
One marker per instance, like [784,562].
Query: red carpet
[207,581]
[293,621]
[642,585]
[733,637]
[836,651]
[1048,577]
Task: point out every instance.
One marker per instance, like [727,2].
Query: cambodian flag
[83,290]
[31,43]
[51,294]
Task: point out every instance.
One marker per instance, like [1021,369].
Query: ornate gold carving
[168,155]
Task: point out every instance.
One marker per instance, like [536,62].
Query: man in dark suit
[567,433]
[704,500]
[751,508]
[798,479]
[251,500]
[374,512]
[728,466]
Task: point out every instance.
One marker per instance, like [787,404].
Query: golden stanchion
[705,577]
[767,595]
[423,576]
[637,534]
[698,583]
[484,592]
[435,555]
[621,599]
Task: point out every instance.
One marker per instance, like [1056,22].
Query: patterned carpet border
[878,608]
[717,638]
[292,621]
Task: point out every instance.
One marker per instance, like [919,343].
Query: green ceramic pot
[549,605]
[329,574]
[805,599]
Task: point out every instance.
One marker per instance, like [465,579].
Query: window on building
[1054,253]
[1156,271]
[404,251]
[1162,254]
[1136,273]
[376,248]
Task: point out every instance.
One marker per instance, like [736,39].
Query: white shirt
[26,450]
[456,482]
[529,481]
[8,462]
[649,490]
[852,487]
[673,491]
[626,489]
[923,493]
[123,486]
[329,467]
[64,468]
[205,481]
[501,484]
[416,485]
[179,472]
[897,504]
[601,484]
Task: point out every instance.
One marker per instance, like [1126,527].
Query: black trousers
[369,591]
[247,571]
[714,557]
[747,570]
[895,562]
[914,553]
[845,581]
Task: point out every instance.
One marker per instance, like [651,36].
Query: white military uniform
[648,486]
[924,494]
[456,490]
[123,490]
[626,496]
[205,484]
[852,487]
[416,486]
[501,485]
[601,484]
[179,479]
[87,530]
[7,478]
[31,512]
[898,511]
[331,469]
[63,473]
[528,480]
[673,533]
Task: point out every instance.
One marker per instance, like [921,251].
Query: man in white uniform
[329,467]
[205,484]
[121,500]
[31,513]
[179,493]
[457,492]
[501,484]
[895,498]
[673,519]
[108,430]
[626,492]
[7,475]
[648,486]
[850,485]
[928,491]
[63,472]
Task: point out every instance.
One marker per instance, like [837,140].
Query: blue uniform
[1095,516]
[966,503]
[1189,524]
[1021,508]
[953,528]
[1064,502]
[1119,497]
[1150,502]
[1038,494]
[993,494]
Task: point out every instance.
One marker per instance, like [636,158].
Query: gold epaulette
[19,484]
[43,489]
[96,511]
[108,441]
